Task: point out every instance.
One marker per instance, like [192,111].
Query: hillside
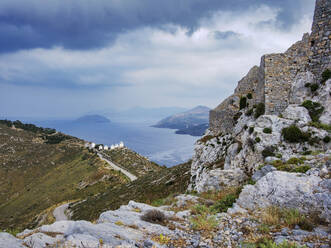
[150,188]
[131,161]
[190,122]
[40,168]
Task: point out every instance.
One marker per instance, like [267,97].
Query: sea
[160,145]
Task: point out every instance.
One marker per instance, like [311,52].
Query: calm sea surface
[158,144]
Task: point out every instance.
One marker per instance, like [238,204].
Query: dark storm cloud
[87,24]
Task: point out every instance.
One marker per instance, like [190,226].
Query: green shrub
[269,151]
[314,87]
[251,130]
[260,110]
[243,102]
[226,202]
[293,134]
[326,139]
[315,109]
[326,127]
[204,222]
[267,243]
[307,85]
[249,96]
[237,116]
[301,169]
[267,130]
[257,140]
[295,160]
[249,112]
[326,75]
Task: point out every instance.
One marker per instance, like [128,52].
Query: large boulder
[297,113]
[307,193]
[9,241]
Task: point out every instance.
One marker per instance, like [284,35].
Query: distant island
[92,119]
[193,122]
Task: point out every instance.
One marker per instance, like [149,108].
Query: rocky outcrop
[246,128]
[272,81]
[309,193]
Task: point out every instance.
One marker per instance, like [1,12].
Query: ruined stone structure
[320,38]
[271,82]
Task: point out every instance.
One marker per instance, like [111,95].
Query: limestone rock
[297,113]
[290,190]
[9,241]
[218,179]
[299,92]
[261,173]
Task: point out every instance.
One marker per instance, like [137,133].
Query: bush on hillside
[269,151]
[293,134]
[154,216]
[249,112]
[243,102]
[326,75]
[249,96]
[315,109]
[260,110]
[267,130]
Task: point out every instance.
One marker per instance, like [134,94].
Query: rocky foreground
[198,220]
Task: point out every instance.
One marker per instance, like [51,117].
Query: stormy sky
[66,58]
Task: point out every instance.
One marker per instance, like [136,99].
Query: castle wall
[320,38]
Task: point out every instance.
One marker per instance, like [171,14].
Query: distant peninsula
[193,122]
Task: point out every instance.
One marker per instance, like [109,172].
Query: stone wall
[279,72]
[320,37]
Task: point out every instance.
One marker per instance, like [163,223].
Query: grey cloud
[86,24]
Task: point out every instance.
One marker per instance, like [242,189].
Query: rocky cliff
[290,89]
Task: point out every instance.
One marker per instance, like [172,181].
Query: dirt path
[115,167]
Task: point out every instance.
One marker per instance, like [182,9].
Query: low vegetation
[269,151]
[267,243]
[293,134]
[326,75]
[267,130]
[150,188]
[283,217]
[35,176]
[243,102]
[131,161]
[259,110]
[292,165]
[154,216]
[315,109]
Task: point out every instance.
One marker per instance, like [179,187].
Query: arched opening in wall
[312,43]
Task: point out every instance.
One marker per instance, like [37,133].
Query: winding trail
[116,167]
[59,212]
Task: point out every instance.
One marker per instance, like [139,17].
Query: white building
[112,147]
[105,148]
[92,145]
[100,147]
[121,145]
